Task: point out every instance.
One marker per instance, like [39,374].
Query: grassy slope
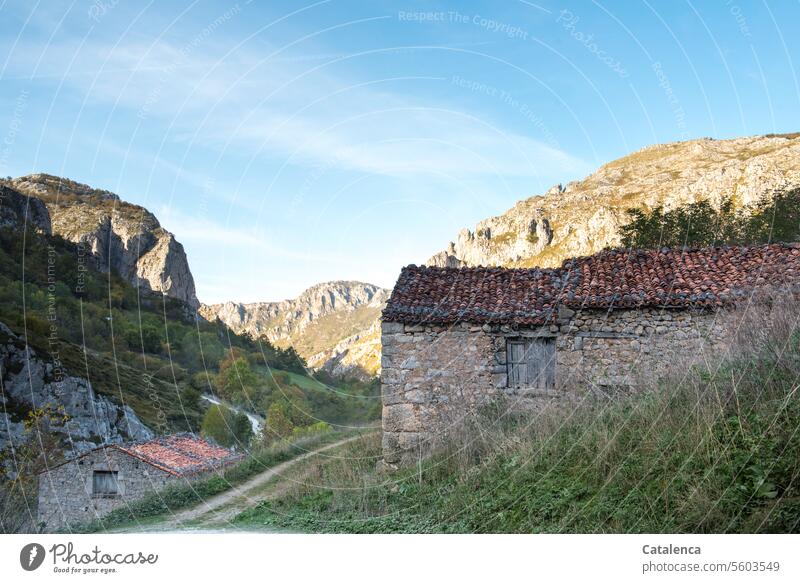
[715,451]
[109,317]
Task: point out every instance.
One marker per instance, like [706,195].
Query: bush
[314,429]
[226,427]
[775,217]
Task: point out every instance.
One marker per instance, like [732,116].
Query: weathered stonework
[65,492]
[432,376]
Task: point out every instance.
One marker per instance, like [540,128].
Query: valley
[102,298]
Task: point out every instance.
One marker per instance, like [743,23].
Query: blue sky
[287,143]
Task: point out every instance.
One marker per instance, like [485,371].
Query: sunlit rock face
[122,237]
[584,216]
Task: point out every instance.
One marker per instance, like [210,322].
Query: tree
[279,423]
[775,217]
[226,427]
[234,375]
[39,449]
[197,350]
[147,339]
[190,397]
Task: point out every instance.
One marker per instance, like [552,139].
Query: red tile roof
[181,454]
[709,277]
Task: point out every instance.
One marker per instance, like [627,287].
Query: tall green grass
[715,448]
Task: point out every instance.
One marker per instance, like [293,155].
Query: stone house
[454,339]
[93,484]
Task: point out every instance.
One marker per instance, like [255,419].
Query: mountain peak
[47,185]
[325,323]
[122,236]
[584,216]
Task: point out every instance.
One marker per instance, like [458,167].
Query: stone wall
[432,376]
[597,349]
[429,377]
[65,492]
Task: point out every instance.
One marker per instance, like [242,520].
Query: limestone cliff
[80,417]
[18,210]
[123,237]
[328,324]
[583,217]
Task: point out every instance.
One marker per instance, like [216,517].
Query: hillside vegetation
[774,217]
[147,349]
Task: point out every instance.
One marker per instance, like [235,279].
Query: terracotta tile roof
[709,277]
[181,454]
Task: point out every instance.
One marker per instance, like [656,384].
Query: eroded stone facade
[66,492]
[434,375]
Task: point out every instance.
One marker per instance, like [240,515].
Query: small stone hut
[454,339]
[93,484]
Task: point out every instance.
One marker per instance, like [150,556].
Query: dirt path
[215,514]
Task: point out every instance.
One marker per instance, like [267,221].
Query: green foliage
[235,376]
[146,349]
[227,427]
[35,452]
[279,423]
[313,429]
[775,217]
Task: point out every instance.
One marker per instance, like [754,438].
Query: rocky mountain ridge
[121,236]
[329,324]
[584,216]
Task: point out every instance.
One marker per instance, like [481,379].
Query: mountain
[583,217]
[122,237]
[331,325]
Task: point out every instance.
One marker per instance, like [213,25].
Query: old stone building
[89,486]
[454,339]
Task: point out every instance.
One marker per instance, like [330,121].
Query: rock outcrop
[584,217]
[123,237]
[78,415]
[330,325]
[357,356]
[18,210]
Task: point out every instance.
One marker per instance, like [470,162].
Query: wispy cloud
[205,232]
[297,113]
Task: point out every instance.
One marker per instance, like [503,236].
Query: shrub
[775,217]
[226,427]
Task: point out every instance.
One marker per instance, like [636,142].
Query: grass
[716,450]
[307,383]
[158,506]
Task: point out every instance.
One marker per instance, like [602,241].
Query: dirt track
[215,514]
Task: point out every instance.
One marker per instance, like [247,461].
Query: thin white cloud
[297,113]
[203,232]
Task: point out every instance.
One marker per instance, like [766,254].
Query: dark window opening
[104,484]
[531,363]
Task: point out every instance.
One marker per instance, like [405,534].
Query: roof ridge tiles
[681,277]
